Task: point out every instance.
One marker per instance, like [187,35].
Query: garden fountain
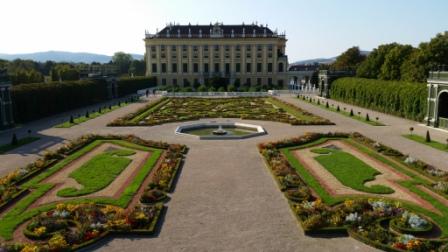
[220,130]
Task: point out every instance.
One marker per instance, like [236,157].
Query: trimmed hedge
[131,85]
[404,99]
[37,100]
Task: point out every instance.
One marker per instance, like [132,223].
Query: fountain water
[220,131]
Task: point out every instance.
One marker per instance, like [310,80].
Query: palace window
[270,67]
[163,67]
[248,68]
[206,68]
[259,67]
[258,81]
[154,68]
[195,67]
[173,48]
[216,67]
[185,67]
[280,67]
[238,67]
[174,67]
[174,82]
[227,68]
[163,82]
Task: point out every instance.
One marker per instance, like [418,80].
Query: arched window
[443,105]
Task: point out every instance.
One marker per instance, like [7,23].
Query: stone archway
[442,108]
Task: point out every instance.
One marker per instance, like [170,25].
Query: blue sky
[314,28]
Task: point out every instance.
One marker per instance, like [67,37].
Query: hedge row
[37,100]
[404,99]
[131,85]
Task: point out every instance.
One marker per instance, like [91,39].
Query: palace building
[190,55]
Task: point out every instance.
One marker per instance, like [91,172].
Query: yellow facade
[192,57]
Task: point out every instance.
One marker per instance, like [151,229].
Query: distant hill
[61,56]
[321,60]
[314,61]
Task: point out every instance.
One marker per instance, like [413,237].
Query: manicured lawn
[351,171]
[355,116]
[81,119]
[433,144]
[97,173]
[252,108]
[26,140]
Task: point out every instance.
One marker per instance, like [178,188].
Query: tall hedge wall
[37,100]
[404,99]
[131,85]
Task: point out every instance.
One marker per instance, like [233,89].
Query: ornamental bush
[404,99]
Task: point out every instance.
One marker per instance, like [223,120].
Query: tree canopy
[404,62]
[349,60]
[123,61]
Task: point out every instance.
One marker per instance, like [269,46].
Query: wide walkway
[225,198]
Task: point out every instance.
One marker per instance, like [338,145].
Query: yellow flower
[71,208]
[140,216]
[60,207]
[30,248]
[348,203]
[317,203]
[57,242]
[40,230]
[111,209]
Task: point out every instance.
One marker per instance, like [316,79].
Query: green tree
[123,61]
[137,68]
[371,67]
[390,70]
[349,59]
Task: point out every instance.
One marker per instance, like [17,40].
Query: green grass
[97,173]
[18,213]
[347,113]
[93,115]
[351,171]
[433,144]
[26,140]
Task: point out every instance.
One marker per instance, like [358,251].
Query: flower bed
[319,213]
[183,109]
[53,225]
[410,223]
